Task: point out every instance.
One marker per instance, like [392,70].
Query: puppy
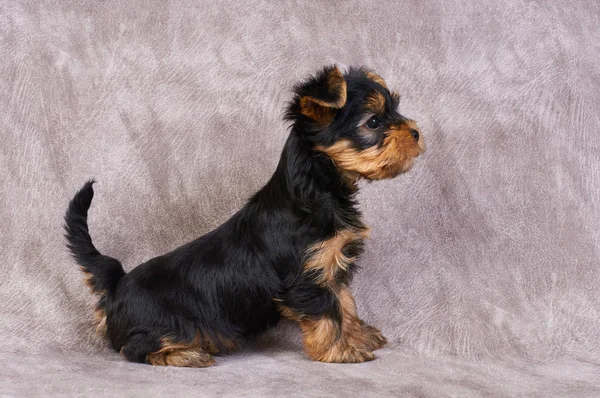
[290,251]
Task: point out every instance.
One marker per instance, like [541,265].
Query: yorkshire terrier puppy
[290,251]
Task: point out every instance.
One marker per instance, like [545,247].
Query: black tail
[102,272]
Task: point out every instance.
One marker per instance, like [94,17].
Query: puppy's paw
[373,336]
[349,354]
[355,355]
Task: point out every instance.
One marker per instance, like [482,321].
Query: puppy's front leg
[371,337]
[337,334]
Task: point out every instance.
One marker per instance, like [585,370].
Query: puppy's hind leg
[180,353]
[138,346]
[166,351]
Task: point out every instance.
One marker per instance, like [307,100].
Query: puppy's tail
[102,272]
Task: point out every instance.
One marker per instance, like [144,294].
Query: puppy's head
[353,118]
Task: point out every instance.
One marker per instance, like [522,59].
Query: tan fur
[368,336]
[322,111]
[311,108]
[395,156]
[186,354]
[326,340]
[377,79]
[88,280]
[374,338]
[376,103]
[211,347]
[327,256]
[100,317]
[338,85]
[99,313]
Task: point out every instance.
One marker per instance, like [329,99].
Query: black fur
[227,284]
[106,271]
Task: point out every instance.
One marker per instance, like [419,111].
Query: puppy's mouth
[417,136]
[396,156]
[409,145]
[420,149]
[394,170]
[410,161]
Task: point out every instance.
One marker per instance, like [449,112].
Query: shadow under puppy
[290,251]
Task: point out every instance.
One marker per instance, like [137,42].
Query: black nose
[415,134]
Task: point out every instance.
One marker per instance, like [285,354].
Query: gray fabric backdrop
[483,267]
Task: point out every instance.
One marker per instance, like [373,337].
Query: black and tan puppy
[290,251]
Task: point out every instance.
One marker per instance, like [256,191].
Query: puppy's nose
[415,134]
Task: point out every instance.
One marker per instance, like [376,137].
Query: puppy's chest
[332,260]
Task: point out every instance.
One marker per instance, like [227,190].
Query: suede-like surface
[484,262]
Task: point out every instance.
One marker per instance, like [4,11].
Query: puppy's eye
[373,123]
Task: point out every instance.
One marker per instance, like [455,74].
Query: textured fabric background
[484,263]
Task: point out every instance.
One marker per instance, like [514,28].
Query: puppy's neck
[310,180]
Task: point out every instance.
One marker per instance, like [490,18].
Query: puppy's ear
[327,89]
[318,97]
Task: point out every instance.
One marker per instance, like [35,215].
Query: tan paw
[374,338]
[184,358]
[349,354]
